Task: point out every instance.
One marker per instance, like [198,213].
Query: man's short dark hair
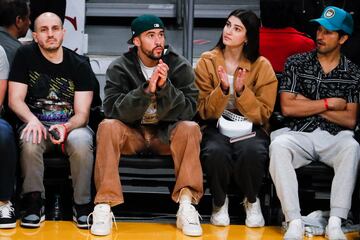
[10,9]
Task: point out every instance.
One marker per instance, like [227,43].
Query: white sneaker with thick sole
[102,220]
[334,233]
[187,219]
[254,217]
[295,230]
[220,215]
[7,216]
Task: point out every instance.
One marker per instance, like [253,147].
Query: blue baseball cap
[334,19]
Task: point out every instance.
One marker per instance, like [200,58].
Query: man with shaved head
[50,90]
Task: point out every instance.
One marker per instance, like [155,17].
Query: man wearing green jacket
[150,98]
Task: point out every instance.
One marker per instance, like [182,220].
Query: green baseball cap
[144,23]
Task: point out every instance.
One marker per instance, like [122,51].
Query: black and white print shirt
[303,75]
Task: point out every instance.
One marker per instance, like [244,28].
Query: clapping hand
[224,81]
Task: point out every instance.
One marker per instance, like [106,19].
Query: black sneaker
[35,211]
[81,213]
[7,216]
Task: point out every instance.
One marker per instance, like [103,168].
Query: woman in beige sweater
[233,76]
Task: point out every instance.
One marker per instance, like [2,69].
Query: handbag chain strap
[233,116]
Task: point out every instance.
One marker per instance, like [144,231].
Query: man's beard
[153,57]
[151,54]
[53,48]
[325,51]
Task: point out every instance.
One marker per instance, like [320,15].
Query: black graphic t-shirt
[303,75]
[51,87]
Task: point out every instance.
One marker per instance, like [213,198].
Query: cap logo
[156,25]
[329,13]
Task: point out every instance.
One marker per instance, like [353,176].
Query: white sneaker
[220,215]
[102,220]
[254,217]
[334,233]
[187,219]
[295,230]
[7,216]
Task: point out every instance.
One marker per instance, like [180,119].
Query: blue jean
[8,159]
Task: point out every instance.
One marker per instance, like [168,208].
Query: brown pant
[115,138]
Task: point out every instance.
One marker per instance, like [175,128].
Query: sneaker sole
[190,234]
[33,225]
[99,233]
[8,225]
[327,236]
[219,224]
[261,224]
[82,226]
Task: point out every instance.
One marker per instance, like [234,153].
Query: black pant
[243,161]
[8,157]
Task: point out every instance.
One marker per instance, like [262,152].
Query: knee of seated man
[188,127]
[80,138]
[28,148]
[6,132]
[108,126]
[349,144]
[5,136]
[281,141]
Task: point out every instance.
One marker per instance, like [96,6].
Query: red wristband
[66,131]
[326,104]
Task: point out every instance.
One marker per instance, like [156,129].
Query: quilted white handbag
[233,125]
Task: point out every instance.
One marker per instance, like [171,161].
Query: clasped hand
[158,78]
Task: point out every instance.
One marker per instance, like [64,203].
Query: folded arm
[336,110]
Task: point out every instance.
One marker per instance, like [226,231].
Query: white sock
[185,196]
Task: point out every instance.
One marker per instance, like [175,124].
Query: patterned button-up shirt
[303,75]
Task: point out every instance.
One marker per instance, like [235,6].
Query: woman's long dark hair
[252,25]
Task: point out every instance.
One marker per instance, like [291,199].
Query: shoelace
[6,211]
[102,219]
[191,215]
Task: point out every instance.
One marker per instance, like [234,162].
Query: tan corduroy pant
[115,138]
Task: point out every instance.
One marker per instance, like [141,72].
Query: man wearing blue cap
[150,97]
[319,95]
